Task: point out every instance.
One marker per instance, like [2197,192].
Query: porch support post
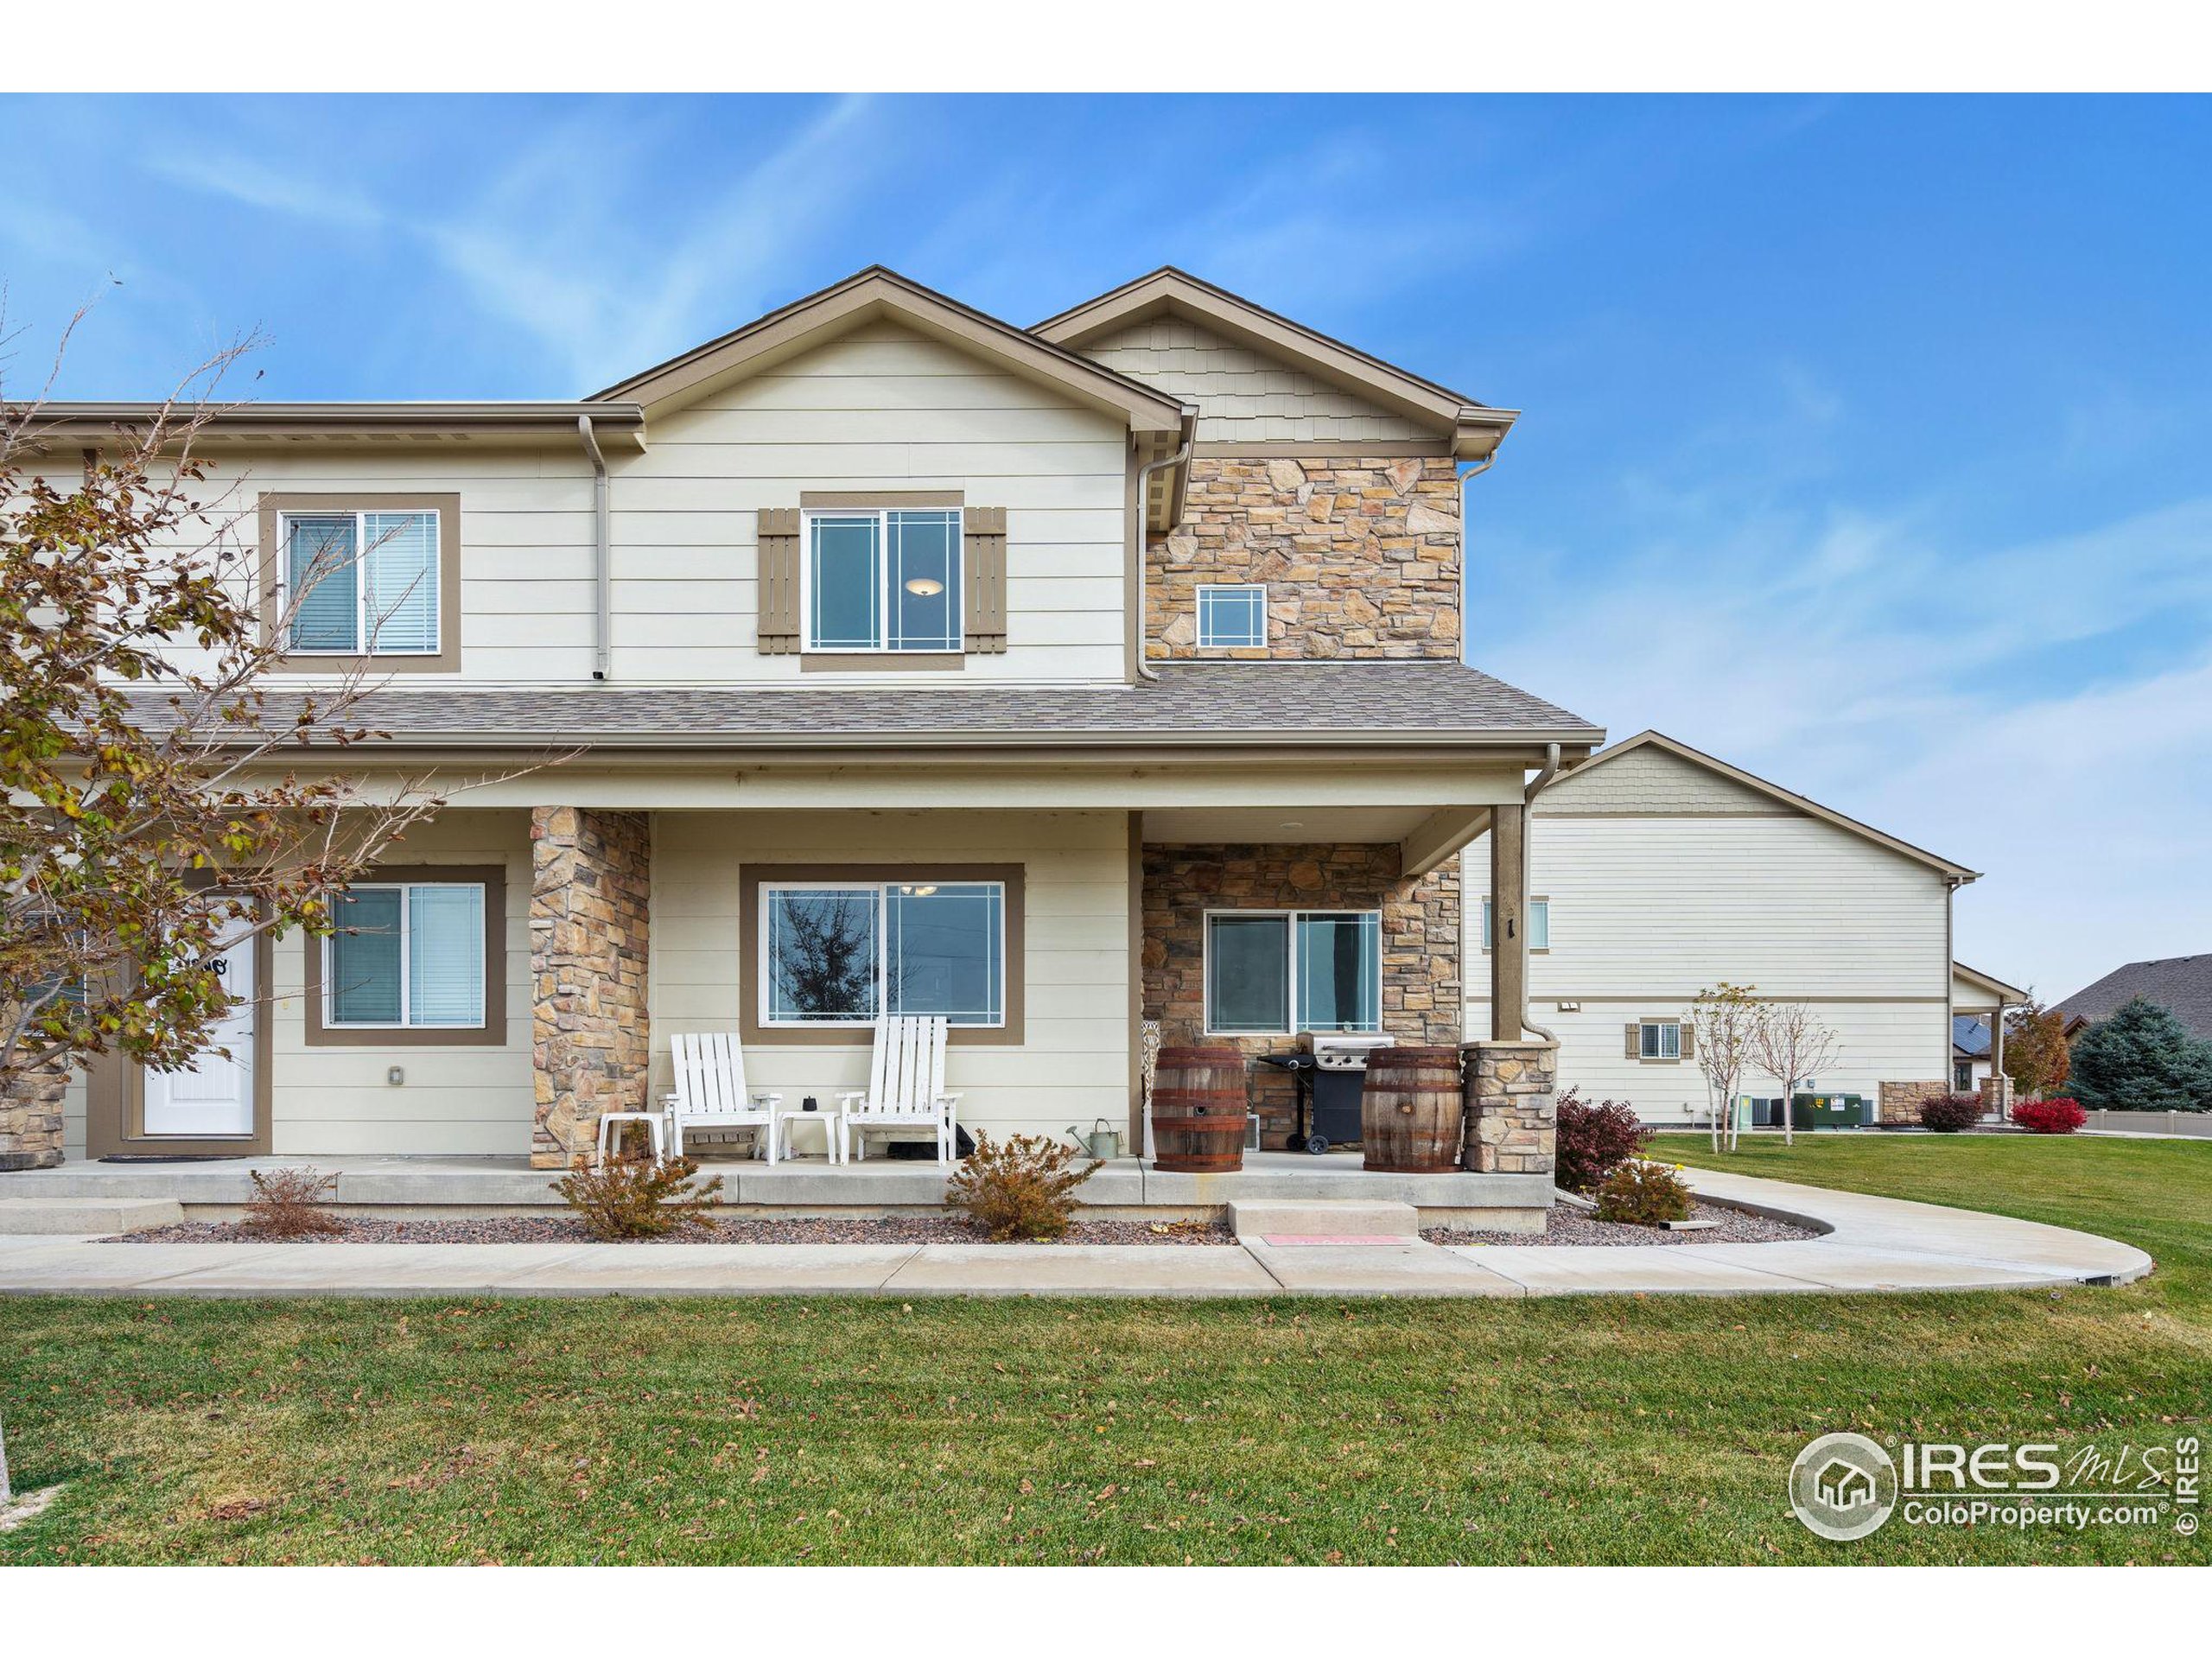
[590,898]
[1509,896]
[30,1116]
[1509,1092]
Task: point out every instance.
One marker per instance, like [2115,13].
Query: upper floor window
[1540,924]
[883,580]
[1232,615]
[365,583]
[1271,973]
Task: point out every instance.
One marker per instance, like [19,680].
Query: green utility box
[1827,1111]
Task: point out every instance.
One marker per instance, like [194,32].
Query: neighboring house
[1655,870]
[2181,985]
[1054,679]
[1970,1056]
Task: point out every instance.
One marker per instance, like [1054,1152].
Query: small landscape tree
[1723,1022]
[1793,1044]
[2141,1060]
[2036,1058]
[153,812]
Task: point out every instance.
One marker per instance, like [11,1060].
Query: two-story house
[1055,679]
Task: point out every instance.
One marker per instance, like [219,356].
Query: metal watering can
[1103,1141]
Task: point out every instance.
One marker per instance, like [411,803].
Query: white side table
[656,1128]
[788,1116]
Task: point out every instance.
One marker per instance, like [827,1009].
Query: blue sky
[1864,444]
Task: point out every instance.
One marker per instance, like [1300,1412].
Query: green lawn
[1623,1430]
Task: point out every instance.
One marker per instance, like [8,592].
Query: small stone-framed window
[1232,616]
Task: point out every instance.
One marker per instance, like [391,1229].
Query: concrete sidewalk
[1870,1244]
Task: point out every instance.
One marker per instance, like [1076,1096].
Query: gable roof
[1650,739]
[2007,995]
[880,292]
[1474,428]
[2181,985]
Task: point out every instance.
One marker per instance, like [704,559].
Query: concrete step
[86,1215]
[1322,1218]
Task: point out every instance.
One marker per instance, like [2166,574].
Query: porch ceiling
[1211,825]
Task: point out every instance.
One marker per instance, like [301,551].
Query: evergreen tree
[2141,1060]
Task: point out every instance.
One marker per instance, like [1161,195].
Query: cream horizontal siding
[879,408]
[458,1101]
[1646,911]
[1878,1041]
[1242,395]
[1073,1064]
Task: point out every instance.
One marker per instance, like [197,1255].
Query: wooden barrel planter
[1409,1112]
[1198,1110]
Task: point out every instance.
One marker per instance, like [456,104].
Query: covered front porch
[636,907]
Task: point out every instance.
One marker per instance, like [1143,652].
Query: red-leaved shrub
[1948,1114]
[1594,1140]
[2060,1116]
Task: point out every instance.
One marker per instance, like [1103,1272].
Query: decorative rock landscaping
[785,1230]
[1569,1225]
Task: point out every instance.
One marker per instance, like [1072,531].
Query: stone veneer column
[1899,1103]
[1511,1122]
[590,890]
[30,1118]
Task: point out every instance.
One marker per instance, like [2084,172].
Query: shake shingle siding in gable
[1651,781]
[1243,396]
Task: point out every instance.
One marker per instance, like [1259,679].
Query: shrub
[2060,1116]
[630,1196]
[286,1204]
[1595,1140]
[1948,1114]
[1019,1188]
[1645,1194]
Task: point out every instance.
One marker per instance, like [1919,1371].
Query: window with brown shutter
[778,605]
[983,553]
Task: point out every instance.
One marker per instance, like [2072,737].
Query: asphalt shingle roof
[2181,985]
[1287,703]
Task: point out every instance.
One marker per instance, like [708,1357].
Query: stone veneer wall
[590,890]
[30,1117]
[1900,1101]
[1361,557]
[1420,941]
[1512,1124]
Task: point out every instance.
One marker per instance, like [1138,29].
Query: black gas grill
[1330,1073]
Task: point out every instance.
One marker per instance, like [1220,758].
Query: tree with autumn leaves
[160,805]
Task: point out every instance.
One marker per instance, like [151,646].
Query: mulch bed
[1570,1225]
[793,1229]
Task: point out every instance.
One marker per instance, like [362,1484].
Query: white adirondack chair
[711,1093]
[905,1087]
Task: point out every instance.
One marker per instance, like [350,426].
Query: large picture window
[1272,973]
[842,955]
[885,581]
[409,956]
[362,583]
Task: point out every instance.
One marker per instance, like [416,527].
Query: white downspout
[603,582]
[1144,481]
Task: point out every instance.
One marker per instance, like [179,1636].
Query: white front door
[215,1097]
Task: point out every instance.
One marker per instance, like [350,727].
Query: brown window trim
[492,1033]
[115,1089]
[751,876]
[882,662]
[445,505]
[1674,1020]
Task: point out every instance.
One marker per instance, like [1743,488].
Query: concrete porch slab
[1259,1217]
[80,1217]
